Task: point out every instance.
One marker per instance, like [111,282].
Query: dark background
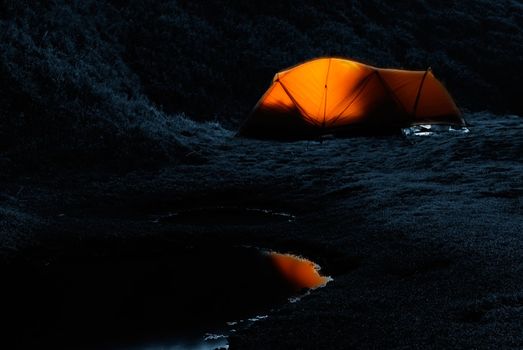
[90,82]
[120,171]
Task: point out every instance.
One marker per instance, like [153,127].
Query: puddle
[224,215]
[299,274]
[156,295]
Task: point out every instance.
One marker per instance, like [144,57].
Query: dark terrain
[114,117]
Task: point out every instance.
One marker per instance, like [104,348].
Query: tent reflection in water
[336,96]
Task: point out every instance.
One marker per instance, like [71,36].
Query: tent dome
[334,95]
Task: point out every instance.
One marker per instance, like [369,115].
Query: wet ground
[422,235]
[150,293]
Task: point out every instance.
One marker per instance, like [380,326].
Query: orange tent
[334,95]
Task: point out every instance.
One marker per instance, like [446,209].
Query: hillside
[87,82]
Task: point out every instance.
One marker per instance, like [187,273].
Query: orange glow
[300,273]
[325,88]
[334,92]
[343,87]
[277,99]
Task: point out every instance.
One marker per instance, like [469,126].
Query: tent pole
[419,92]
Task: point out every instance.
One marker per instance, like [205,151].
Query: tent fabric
[330,95]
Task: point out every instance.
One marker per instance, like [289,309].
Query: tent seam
[296,104]
[391,92]
[418,95]
[325,102]
[361,86]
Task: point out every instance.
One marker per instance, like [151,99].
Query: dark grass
[87,82]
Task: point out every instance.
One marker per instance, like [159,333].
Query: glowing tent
[334,95]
